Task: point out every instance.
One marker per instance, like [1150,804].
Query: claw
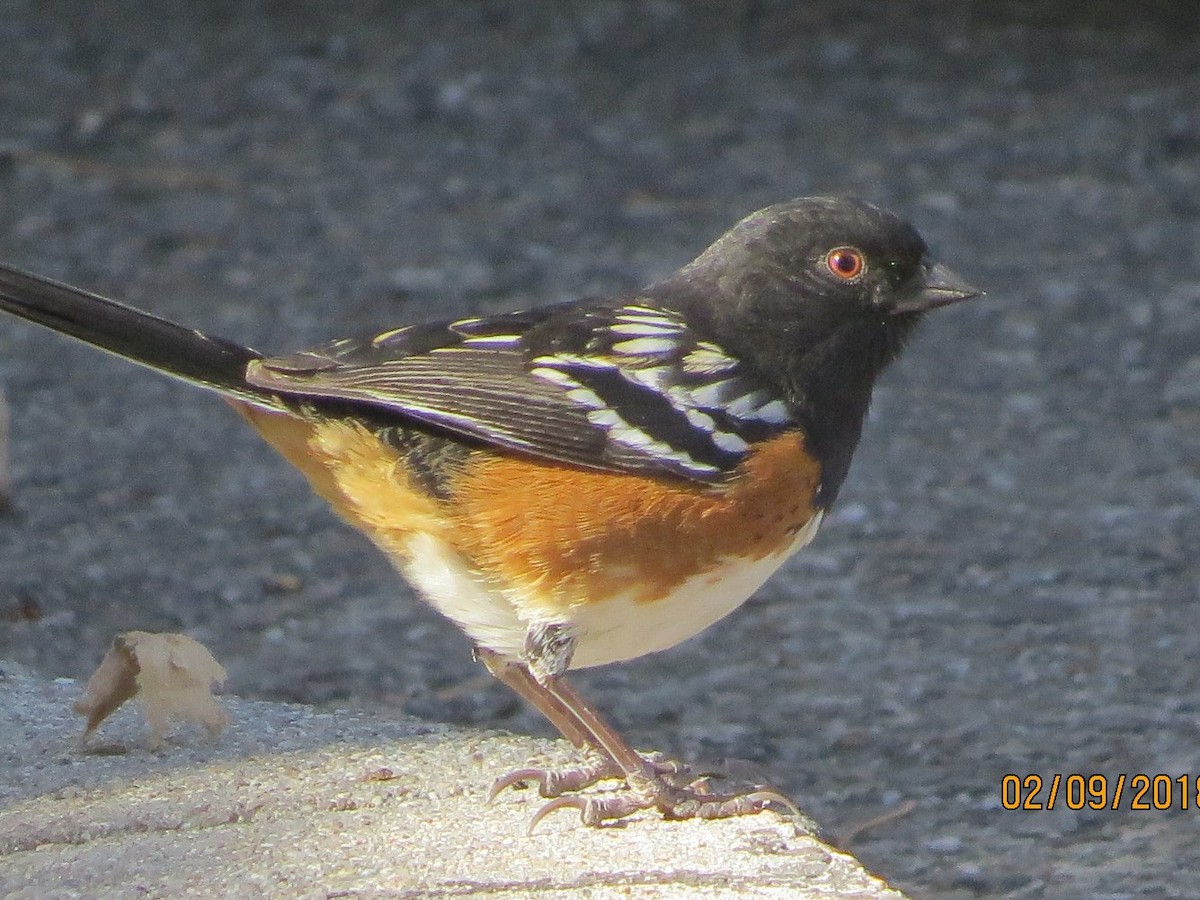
[767,798]
[554,805]
[698,805]
[556,782]
[594,811]
[664,784]
[672,802]
[520,776]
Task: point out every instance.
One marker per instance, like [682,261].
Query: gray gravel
[1010,583]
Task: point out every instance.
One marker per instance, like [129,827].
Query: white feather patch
[656,378]
[388,335]
[729,442]
[586,397]
[554,376]
[708,359]
[747,405]
[495,340]
[713,395]
[645,314]
[608,630]
[645,346]
[773,413]
[700,420]
[446,580]
[617,629]
[574,359]
[644,328]
[606,418]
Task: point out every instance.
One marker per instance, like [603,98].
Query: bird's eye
[845,262]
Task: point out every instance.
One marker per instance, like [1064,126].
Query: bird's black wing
[615,387]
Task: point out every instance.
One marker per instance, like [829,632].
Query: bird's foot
[672,800]
[592,768]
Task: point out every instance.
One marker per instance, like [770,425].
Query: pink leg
[649,782]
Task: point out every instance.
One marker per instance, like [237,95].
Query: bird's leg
[596,764]
[650,783]
[647,786]
[517,677]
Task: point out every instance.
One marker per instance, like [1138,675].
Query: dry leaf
[114,682]
[172,674]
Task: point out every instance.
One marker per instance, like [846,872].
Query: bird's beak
[940,287]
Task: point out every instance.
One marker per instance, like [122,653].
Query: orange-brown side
[360,476]
[557,535]
[569,536]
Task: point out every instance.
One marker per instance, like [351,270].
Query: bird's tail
[184,353]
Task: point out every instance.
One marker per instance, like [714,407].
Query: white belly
[622,629]
[606,631]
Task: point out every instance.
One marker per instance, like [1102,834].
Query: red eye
[845,262]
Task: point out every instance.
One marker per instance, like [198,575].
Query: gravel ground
[1010,581]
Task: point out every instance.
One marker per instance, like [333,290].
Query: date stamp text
[1124,791]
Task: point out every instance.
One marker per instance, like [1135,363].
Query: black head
[821,262]
[817,295]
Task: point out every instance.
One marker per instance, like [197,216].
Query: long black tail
[200,359]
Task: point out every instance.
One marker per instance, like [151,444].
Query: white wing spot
[645,328]
[606,418]
[774,413]
[730,443]
[708,359]
[494,340]
[700,420]
[645,346]
[574,359]
[388,335]
[621,432]
[655,378]
[636,311]
[554,376]
[634,437]
[747,405]
[586,397]
[712,395]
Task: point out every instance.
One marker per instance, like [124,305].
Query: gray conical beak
[940,287]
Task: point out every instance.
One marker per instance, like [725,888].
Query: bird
[590,481]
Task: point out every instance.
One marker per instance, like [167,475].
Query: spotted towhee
[586,482]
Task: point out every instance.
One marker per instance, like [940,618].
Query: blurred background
[1010,581]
